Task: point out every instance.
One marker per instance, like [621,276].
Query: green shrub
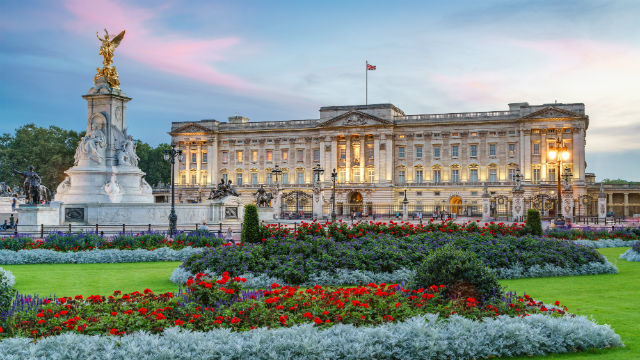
[7,292]
[461,271]
[534,225]
[251,225]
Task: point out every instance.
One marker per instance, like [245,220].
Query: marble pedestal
[266,214]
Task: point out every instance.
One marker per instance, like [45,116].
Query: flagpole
[366,82]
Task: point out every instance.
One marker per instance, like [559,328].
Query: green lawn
[610,299]
[91,279]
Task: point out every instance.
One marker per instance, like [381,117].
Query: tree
[50,150]
[153,164]
[251,225]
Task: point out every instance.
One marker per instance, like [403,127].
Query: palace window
[401,177]
[225,157]
[300,177]
[436,152]
[194,158]
[552,174]
[401,152]
[343,154]
[473,150]
[254,179]
[285,178]
[492,133]
[512,132]
[269,178]
[269,155]
[254,155]
[418,152]
[225,177]
[183,179]
[436,176]
[436,135]
[204,157]
[239,179]
[203,177]
[536,149]
[371,176]
[342,176]
[512,174]
[285,155]
[239,156]
[370,153]
[455,175]
[492,149]
[356,175]
[493,175]
[536,175]
[419,176]
[473,175]
[474,134]
[512,149]
[300,155]
[316,155]
[454,151]
[194,179]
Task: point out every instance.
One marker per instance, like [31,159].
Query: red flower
[113,331]
[398,305]
[317,321]
[557,303]
[235,320]
[142,311]
[179,322]
[42,321]
[1,330]
[113,313]
[160,317]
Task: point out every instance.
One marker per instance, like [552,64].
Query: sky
[283,60]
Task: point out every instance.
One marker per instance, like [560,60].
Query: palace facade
[442,160]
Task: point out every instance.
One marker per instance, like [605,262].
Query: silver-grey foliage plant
[605,243]
[46,256]
[420,337]
[630,255]
[350,277]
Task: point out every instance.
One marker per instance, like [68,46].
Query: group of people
[10,224]
[228,236]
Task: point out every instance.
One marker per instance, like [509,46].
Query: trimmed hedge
[349,277]
[430,338]
[45,256]
[534,224]
[296,260]
[251,225]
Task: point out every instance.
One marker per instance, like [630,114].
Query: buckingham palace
[443,161]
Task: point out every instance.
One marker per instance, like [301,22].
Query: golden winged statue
[106,50]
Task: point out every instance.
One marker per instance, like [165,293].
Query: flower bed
[372,321]
[295,260]
[632,254]
[348,277]
[621,233]
[60,241]
[605,243]
[45,256]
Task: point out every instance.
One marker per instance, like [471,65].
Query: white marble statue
[127,153]
[91,146]
[145,187]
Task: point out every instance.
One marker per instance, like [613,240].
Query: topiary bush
[534,225]
[251,225]
[461,271]
[7,292]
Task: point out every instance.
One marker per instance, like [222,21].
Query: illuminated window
[239,156]
[269,155]
[254,155]
[512,149]
[371,176]
[285,155]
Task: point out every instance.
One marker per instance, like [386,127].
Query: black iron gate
[296,205]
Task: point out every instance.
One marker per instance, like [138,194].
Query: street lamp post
[334,176]
[171,155]
[559,153]
[277,172]
[317,205]
[317,171]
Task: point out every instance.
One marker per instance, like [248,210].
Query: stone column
[578,155]
[187,165]
[347,177]
[213,161]
[610,201]
[334,156]
[486,206]
[567,205]
[318,200]
[525,164]
[517,205]
[626,204]
[389,167]
[198,163]
[376,159]
[323,163]
[276,203]
[602,205]
[362,158]
[176,168]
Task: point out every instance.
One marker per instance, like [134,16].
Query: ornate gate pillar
[602,204]
[276,203]
[517,205]
[486,204]
[318,200]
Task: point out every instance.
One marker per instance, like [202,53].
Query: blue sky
[279,60]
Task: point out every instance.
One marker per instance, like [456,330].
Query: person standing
[229,236]
[14,202]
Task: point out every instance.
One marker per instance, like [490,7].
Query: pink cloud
[145,42]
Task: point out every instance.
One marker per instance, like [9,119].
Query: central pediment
[552,112]
[355,118]
[190,128]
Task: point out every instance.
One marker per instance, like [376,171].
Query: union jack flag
[371,67]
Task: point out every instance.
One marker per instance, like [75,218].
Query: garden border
[605,243]
[429,338]
[349,277]
[107,256]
